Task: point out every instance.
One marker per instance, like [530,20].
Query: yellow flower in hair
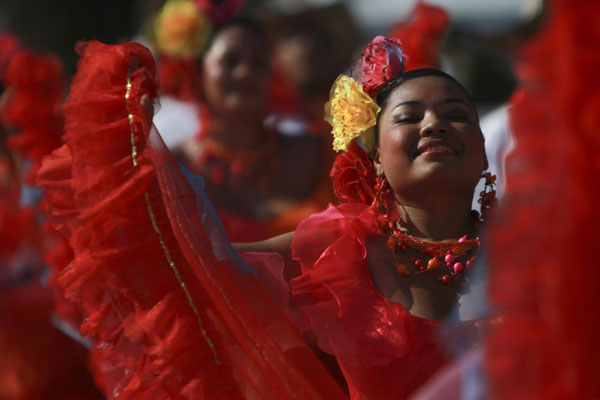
[351,112]
[181,29]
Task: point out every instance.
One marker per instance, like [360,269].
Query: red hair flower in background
[221,11]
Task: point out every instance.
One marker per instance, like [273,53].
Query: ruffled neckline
[352,319]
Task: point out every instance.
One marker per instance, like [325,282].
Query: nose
[242,70]
[432,124]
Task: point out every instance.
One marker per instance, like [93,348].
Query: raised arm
[282,245]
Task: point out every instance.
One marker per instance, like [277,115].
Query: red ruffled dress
[171,310]
[384,351]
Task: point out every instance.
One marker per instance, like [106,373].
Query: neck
[237,133]
[438,219]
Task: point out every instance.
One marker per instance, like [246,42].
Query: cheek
[395,146]
[475,149]
[214,80]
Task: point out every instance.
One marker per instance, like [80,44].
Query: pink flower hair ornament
[382,60]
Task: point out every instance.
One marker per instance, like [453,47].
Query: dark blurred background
[476,48]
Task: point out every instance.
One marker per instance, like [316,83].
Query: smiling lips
[435,147]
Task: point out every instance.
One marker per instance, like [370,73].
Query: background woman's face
[429,136]
[236,73]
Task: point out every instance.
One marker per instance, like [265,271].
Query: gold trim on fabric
[163,245]
[188,295]
[130,116]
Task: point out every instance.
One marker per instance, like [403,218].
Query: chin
[441,176]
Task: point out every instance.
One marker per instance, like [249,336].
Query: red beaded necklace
[448,252]
[442,255]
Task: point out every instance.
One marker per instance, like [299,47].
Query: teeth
[437,148]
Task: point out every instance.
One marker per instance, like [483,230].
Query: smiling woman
[366,285]
[262,182]
[377,274]
[430,146]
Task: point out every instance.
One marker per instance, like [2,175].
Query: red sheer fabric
[545,279]
[35,86]
[38,361]
[421,36]
[170,315]
[383,350]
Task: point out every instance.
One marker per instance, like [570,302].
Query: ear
[377,163]
[486,164]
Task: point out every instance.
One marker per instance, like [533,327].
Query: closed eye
[459,117]
[457,112]
[407,119]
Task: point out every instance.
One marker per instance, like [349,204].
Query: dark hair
[246,23]
[384,93]
[389,87]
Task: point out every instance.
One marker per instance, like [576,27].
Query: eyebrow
[419,103]
[453,100]
[409,103]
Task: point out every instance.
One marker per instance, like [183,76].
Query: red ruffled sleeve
[384,352]
[335,292]
[169,318]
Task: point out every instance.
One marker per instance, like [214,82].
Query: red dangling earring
[488,198]
[383,194]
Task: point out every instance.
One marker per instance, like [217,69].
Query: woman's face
[429,138]
[236,73]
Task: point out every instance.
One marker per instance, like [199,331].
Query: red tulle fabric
[38,361]
[544,279]
[18,231]
[420,37]
[384,351]
[169,319]
[35,85]
[9,46]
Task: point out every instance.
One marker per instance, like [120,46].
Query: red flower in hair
[382,60]
[220,11]
[353,175]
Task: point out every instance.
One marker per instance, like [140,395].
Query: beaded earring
[488,200]
[382,193]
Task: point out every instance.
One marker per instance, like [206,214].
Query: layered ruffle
[544,277]
[35,85]
[172,313]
